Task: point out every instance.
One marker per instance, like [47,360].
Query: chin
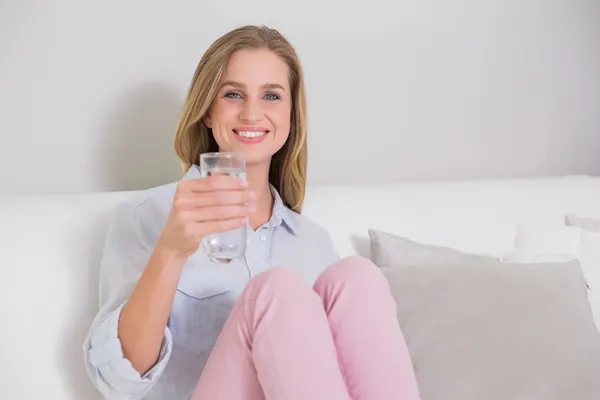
[253,158]
[256,154]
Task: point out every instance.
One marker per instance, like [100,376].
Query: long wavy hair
[287,172]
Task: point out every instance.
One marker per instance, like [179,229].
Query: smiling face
[251,112]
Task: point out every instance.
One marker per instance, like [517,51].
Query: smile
[250,134]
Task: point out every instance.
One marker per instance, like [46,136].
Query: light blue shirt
[204,298]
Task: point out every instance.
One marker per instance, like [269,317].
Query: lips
[250,134]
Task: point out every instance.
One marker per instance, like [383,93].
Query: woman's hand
[203,206]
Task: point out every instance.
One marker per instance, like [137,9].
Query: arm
[196,211]
[127,250]
[144,317]
[129,343]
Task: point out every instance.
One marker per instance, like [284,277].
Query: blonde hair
[192,138]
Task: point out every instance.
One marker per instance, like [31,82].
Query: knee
[354,271]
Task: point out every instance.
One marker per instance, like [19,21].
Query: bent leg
[276,344]
[372,352]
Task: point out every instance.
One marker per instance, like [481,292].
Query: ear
[207,120]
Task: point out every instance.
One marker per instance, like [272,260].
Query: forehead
[256,67]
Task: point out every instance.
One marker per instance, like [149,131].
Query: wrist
[169,256]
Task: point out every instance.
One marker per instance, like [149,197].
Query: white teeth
[250,134]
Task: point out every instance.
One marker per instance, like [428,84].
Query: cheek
[282,119]
[222,111]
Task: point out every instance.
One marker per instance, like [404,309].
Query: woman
[174,325]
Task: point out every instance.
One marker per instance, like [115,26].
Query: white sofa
[50,248]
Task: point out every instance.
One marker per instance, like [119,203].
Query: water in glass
[224,247]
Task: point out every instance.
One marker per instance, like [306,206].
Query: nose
[251,111]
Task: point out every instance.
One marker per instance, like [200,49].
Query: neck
[258,182]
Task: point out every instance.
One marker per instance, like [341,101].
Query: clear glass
[224,247]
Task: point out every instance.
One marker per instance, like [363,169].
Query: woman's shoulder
[309,229]
[316,237]
[145,210]
[158,196]
[154,195]
[308,226]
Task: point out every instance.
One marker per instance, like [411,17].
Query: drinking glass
[224,247]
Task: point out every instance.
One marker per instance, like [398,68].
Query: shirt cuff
[106,355]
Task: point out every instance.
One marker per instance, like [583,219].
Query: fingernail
[252,195]
[244,183]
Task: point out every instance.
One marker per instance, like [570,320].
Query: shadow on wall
[136,148]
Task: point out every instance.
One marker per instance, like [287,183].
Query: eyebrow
[242,86]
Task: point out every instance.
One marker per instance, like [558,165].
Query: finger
[217,213]
[224,197]
[214,182]
[223,225]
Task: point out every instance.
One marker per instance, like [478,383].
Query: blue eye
[232,95]
[272,96]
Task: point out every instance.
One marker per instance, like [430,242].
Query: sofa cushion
[392,250]
[506,331]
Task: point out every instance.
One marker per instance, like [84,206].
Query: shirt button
[263,238]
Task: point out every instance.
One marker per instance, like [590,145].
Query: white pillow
[590,243]
[548,238]
[590,263]
[586,223]
[528,256]
[542,243]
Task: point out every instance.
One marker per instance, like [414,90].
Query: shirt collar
[281,213]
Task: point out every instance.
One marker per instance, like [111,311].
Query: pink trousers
[339,340]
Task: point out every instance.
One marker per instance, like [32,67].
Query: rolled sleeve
[127,249]
[116,376]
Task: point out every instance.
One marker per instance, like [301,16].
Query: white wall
[90,91]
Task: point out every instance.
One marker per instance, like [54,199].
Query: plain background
[90,90]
